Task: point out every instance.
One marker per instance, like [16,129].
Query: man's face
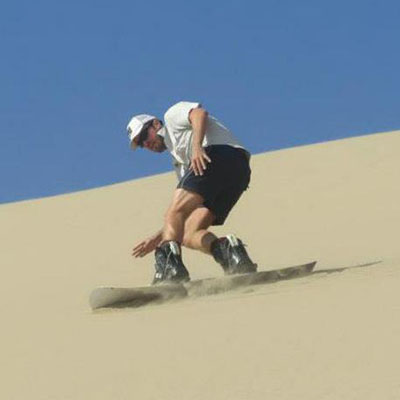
[153,142]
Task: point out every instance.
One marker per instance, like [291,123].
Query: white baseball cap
[136,125]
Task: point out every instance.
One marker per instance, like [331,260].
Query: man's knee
[199,220]
[175,211]
[186,241]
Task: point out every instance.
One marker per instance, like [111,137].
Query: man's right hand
[147,245]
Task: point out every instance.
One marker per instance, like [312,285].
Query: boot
[230,253]
[169,265]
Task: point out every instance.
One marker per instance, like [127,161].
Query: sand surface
[332,335]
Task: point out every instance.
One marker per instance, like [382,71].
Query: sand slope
[334,335]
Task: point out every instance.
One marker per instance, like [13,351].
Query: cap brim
[134,146]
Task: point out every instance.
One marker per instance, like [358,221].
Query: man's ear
[156,124]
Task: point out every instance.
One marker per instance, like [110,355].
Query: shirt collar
[162,132]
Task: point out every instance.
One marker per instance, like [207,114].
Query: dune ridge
[332,335]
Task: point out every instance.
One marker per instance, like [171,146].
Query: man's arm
[198,118]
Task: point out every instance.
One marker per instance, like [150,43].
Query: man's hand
[199,160]
[147,245]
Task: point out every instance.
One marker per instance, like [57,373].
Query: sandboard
[113,297]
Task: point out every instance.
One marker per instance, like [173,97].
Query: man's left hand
[199,161]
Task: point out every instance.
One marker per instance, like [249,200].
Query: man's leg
[186,222]
[182,206]
[197,236]
[169,265]
[228,251]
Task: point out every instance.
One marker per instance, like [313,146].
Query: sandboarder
[213,171]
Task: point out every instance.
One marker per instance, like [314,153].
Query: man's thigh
[185,201]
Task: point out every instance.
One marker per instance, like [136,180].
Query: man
[213,170]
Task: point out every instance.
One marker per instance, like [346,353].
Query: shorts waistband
[240,150]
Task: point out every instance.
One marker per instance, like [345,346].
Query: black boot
[169,265]
[230,253]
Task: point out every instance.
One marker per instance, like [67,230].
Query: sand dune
[332,335]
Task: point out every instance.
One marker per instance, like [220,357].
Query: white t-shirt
[177,133]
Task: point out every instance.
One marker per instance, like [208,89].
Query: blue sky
[277,73]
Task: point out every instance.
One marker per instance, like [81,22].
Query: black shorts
[223,182]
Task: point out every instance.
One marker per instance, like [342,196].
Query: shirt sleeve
[180,169]
[178,115]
